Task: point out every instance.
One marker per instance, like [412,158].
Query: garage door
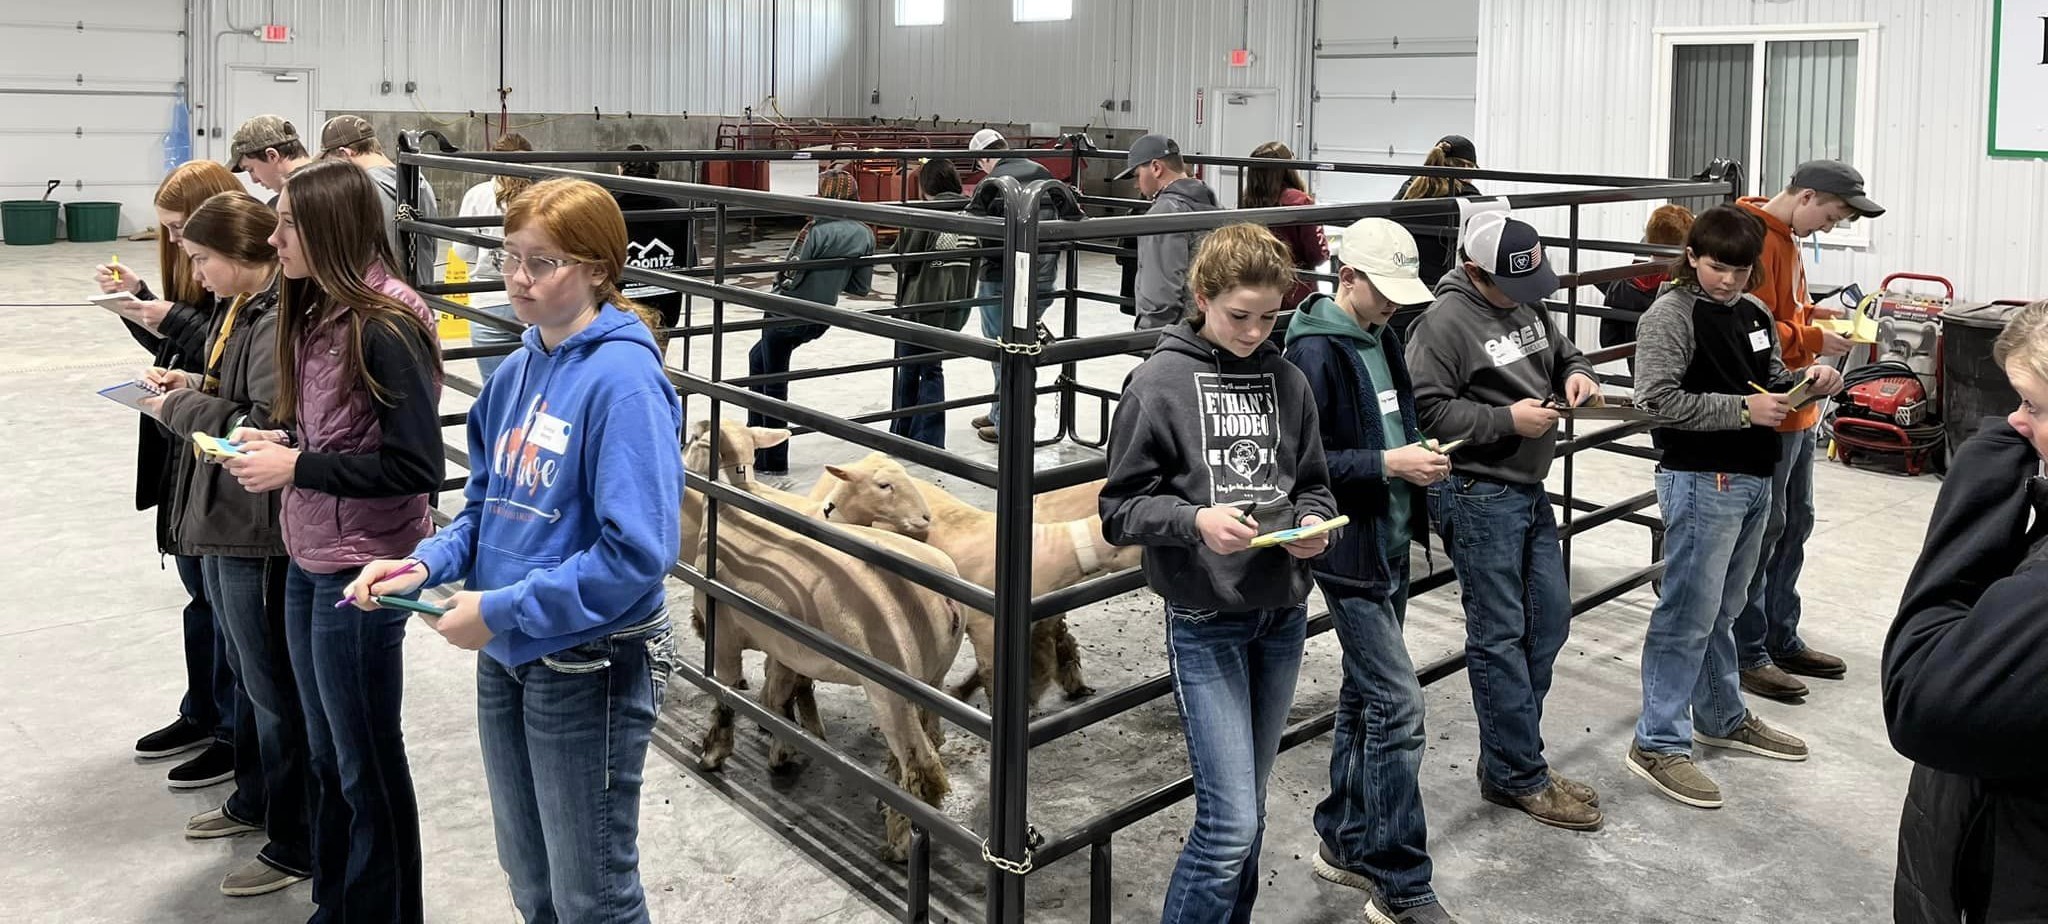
[1388,85]
[86,96]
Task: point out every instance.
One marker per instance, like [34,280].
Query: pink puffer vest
[323,533]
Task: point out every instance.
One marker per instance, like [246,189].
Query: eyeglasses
[538,269]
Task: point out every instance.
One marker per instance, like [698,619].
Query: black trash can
[1972,385]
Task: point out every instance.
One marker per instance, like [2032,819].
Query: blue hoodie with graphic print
[572,516]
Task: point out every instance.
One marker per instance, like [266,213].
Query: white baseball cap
[1385,252]
[984,138]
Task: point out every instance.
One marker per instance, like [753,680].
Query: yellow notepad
[1860,327]
[1282,537]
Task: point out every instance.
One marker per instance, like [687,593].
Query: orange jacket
[1784,293]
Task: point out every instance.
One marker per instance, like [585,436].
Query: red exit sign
[275,33]
[1240,57]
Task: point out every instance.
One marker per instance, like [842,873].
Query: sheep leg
[1067,661]
[718,740]
[778,693]
[913,764]
[1044,657]
[981,634]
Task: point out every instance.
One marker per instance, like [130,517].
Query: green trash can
[28,221]
[92,221]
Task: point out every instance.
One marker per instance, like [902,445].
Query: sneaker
[206,826]
[1771,682]
[1575,789]
[987,434]
[1811,663]
[1432,913]
[213,766]
[1330,869]
[980,422]
[1675,776]
[257,878]
[173,739]
[1550,805]
[1757,738]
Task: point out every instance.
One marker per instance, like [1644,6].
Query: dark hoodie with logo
[1470,361]
[1199,427]
[1163,259]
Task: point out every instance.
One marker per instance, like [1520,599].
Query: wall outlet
[875,96]
[412,86]
[1126,105]
[1109,105]
[385,88]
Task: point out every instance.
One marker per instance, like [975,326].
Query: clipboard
[131,395]
[1284,536]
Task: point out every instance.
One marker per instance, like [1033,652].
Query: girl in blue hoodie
[570,526]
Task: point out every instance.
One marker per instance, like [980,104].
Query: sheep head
[877,492]
[736,445]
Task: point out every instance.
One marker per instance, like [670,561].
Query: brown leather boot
[1550,805]
[1771,682]
[1813,663]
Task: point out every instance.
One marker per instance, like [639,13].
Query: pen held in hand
[350,599]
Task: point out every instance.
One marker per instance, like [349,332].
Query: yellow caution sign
[452,327]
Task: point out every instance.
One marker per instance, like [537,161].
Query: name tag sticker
[1390,402]
[1759,340]
[550,433]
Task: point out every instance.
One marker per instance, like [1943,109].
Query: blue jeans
[271,781]
[992,320]
[366,826]
[770,355]
[1502,540]
[1233,680]
[1769,625]
[209,701]
[918,383]
[565,740]
[1713,524]
[1372,820]
[485,335]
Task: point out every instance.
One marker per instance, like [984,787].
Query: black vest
[1732,347]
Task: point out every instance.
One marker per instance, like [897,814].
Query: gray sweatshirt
[1199,427]
[1163,259]
[1470,361]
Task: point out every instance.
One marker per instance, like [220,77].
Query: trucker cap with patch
[1385,252]
[258,133]
[1145,150]
[1512,253]
[984,138]
[1839,179]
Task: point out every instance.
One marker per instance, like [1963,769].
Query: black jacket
[1349,415]
[212,514]
[1965,665]
[180,344]
[668,244]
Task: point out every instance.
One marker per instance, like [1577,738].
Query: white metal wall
[1567,85]
[1156,53]
[1388,84]
[89,90]
[645,56]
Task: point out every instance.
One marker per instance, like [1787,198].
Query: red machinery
[879,180]
[1889,405]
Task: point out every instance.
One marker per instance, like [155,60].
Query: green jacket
[826,239]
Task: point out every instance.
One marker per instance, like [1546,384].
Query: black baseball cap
[1838,179]
[1458,146]
[1145,150]
[1512,253]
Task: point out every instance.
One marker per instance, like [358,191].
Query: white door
[1245,119]
[254,91]
[1387,86]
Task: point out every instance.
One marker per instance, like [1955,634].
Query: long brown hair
[585,222]
[236,226]
[1263,186]
[1242,255]
[506,188]
[339,217]
[188,186]
[1437,187]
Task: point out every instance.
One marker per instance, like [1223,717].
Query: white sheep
[1062,554]
[870,610]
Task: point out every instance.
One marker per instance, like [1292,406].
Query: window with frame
[1771,99]
[920,12]
[1041,10]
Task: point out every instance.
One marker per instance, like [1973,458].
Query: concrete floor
[96,836]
